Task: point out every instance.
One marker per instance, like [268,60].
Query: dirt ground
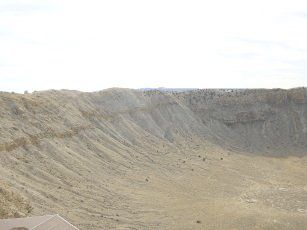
[114,173]
[218,189]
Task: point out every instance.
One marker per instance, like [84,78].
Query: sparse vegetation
[12,203]
[123,158]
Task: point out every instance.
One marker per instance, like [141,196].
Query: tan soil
[127,159]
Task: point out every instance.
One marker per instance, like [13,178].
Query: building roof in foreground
[50,222]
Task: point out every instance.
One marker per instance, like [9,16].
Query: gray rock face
[259,121]
[269,122]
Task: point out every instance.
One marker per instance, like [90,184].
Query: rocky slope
[132,159]
[261,121]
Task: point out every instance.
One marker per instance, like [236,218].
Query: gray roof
[50,222]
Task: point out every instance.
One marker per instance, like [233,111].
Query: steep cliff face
[28,119]
[262,121]
[269,122]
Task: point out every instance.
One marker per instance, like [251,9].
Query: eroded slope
[260,121]
[128,159]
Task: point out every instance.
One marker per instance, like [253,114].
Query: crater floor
[152,161]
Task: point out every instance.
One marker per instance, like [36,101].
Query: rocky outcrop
[255,120]
[263,121]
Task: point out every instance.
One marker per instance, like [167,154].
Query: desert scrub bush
[12,203]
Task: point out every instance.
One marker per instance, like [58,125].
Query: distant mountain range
[169,89]
[184,89]
[179,89]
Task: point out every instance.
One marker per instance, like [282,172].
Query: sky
[93,45]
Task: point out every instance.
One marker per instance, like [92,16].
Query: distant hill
[169,89]
[185,89]
[179,89]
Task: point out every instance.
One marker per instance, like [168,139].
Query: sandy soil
[115,173]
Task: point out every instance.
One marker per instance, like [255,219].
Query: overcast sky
[93,45]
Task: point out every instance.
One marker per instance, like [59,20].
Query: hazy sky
[93,45]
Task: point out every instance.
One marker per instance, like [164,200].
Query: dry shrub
[12,203]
